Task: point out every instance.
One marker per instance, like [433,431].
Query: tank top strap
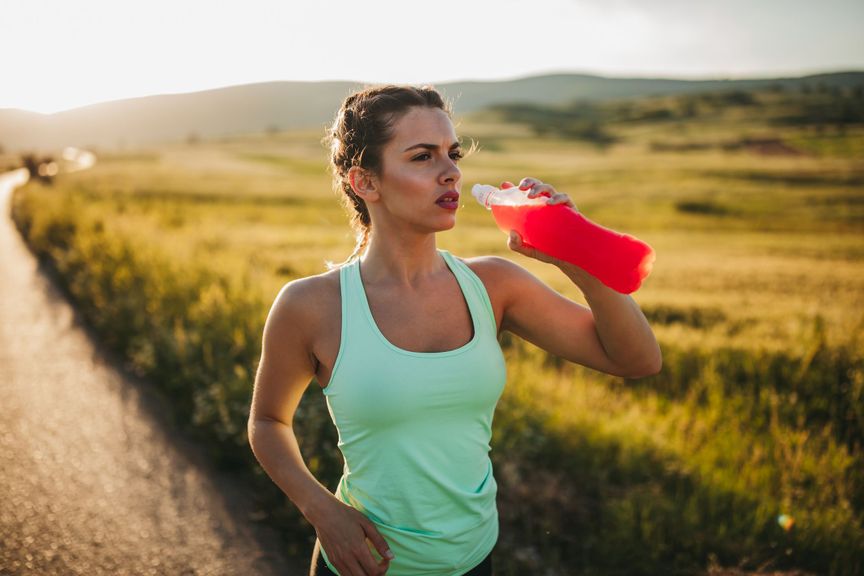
[349,284]
[475,294]
[353,301]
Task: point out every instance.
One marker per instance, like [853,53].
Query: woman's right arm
[287,366]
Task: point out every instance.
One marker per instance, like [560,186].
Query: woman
[403,340]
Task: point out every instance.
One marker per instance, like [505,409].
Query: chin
[440,224]
[449,225]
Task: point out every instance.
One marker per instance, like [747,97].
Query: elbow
[260,428]
[650,366]
[654,368]
[254,429]
[250,433]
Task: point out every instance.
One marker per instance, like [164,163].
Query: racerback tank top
[414,431]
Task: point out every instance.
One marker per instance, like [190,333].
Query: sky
[61,54]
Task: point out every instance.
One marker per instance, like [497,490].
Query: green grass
[175,254]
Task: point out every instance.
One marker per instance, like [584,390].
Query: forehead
[423,125]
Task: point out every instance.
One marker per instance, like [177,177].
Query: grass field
[757,297]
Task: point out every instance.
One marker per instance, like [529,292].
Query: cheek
[410,180]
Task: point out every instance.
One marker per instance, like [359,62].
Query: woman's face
[419,181]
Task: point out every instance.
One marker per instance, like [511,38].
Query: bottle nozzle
[483,194]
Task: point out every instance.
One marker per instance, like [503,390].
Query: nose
[451,173]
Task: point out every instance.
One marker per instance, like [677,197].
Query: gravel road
[93,477]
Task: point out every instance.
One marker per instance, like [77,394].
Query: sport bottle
[620,261]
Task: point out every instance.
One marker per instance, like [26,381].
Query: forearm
[275,446]
[621,326]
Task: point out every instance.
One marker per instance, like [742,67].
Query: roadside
[96,479]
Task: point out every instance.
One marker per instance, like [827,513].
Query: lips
[448,200]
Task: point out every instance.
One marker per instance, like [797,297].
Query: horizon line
[788,75]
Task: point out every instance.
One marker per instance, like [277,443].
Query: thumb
[378,541]
[514,241]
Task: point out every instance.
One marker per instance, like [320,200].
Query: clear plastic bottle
[620,261]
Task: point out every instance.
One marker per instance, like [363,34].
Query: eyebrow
[431,146]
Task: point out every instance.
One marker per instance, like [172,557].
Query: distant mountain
[127,124]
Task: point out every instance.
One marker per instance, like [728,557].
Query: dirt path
[93,478]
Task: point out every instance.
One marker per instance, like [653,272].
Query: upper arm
[530,309]
[287,364]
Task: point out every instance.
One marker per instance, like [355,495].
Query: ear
[363,183]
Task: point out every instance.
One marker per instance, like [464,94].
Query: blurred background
[178,181]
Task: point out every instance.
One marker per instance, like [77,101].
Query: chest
[436,318]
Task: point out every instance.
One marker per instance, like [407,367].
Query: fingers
[352,568]
[536,188]
[374,537]
[514,242]
[378,541]
[559,198]
[351,547]
[364,565]
[346,566]
[528,182]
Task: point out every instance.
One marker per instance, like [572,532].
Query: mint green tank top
[414,431]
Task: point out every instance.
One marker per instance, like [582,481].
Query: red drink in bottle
[618,260]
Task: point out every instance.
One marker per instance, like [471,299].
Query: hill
[275,106]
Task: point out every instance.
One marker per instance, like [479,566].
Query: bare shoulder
[496,272]
[307,303]
[505,282]
[491,266]
[299,318]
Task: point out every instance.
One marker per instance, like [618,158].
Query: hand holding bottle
[544,194]
[555,229]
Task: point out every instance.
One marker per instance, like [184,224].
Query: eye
[455,155]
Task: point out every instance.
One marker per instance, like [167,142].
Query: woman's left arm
[612,336]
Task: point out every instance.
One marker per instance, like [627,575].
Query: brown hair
[363,126]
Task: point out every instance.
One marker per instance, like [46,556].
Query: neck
[403,260]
